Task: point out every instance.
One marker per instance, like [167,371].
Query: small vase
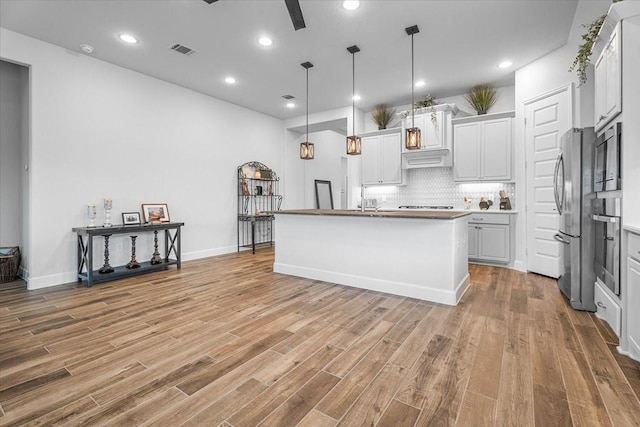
[481,113]
[382,127]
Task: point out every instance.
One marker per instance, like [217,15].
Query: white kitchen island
[418,254]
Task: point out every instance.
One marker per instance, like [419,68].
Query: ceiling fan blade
[296,14]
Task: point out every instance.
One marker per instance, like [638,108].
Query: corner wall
[99,130]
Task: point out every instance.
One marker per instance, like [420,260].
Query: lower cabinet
[607,308]
[490,238]
[633,295]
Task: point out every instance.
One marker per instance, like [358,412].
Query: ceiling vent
[182,49]
[288,96]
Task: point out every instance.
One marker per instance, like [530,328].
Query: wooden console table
[85,250]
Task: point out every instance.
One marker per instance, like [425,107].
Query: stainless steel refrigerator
[573,193]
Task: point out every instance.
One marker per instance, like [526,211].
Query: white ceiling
[459,45]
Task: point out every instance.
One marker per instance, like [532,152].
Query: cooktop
[424,207]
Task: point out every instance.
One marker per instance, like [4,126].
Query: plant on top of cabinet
[429,102]
[583,58]
[382,115]
[481,98]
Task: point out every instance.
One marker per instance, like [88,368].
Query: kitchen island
[418,254]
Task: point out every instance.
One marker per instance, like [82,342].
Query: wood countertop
[378,214]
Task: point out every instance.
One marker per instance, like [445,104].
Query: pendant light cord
[306,142]
[413,110]
[353,94]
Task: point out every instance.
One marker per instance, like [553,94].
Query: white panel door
[466,151]
[391,158]
[496,150]
[371,160]
[546,119]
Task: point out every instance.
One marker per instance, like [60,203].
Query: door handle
[601,305]
[560,239]
[555,184]
[603,218]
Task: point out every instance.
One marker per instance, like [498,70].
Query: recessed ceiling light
[291,105]
[230,80]
[86,48]
[356,97]
[420,83]
[128,38]
[505,64]
[265,41]
[350,4]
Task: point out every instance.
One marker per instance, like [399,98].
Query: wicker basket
[9,263]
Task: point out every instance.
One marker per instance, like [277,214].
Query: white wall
[13,140]
[99,130]
[544,75]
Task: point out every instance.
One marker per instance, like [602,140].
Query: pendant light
[412,140]
[306,148]
[354,142]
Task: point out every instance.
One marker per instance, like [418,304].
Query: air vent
[288,96]
[182,49]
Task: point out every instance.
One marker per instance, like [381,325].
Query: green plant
[429,101]
[382,115]
[481,98]
[583,59]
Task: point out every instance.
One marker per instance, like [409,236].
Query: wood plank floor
[227,342]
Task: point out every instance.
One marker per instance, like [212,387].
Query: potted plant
[481,98]
[583,58]
[428,102]
[382,115]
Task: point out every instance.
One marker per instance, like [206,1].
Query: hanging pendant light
[306,148]
[413,140]
[354,142]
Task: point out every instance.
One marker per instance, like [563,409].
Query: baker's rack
[258,197]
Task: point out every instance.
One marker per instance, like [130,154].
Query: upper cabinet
[482,147]
[435,129]
[381,162]
[608,80]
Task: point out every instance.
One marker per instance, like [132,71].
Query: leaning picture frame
[131,218]
[155,212]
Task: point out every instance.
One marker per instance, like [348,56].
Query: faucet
[362,198]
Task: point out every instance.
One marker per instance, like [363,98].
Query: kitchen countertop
[426,214]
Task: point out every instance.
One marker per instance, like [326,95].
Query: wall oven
[606,221]
[606,171]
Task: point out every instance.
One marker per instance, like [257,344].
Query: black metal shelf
[257,199]
[121,271]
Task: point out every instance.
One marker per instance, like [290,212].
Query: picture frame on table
[155,212]
[131,218]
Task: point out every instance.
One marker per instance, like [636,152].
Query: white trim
[403,289]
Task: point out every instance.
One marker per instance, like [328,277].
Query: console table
[85,251]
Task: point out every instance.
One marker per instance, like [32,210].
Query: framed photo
[131,218]
[157,212]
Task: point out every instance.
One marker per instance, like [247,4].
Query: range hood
[426,159]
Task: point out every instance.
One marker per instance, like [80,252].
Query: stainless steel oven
[606,171]
[606,221]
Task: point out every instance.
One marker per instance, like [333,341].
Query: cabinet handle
[601,305]
[601,118]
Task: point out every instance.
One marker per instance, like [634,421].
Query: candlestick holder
[106,268]
[155,258]
[91,214]
[108,204]
[133,263]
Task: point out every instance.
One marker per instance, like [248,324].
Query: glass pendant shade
[354,145]
[306,150]
[414,141]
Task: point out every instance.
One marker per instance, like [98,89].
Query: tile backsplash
[435,186]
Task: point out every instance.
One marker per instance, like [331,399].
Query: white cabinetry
[381,158]
[435,130]
[482,147]
[633,295]
[490,238]
[608,80]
